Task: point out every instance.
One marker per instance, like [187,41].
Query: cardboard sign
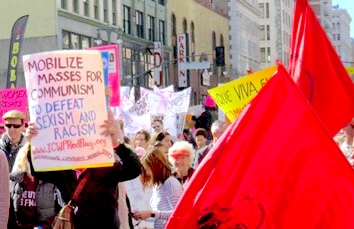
[66,99]
[233,96]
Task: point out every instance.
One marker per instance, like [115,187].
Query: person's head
[157,125]
[164,138]
[218,127]
[155,168]
[181,156]
[201,138]
[141,138]
[14,125]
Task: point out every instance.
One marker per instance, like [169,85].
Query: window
[162,32]
[139,23]
[267,10]
[114,12]
[213,40]
[126,19]
[221,40]
[174,25]
[192,33]
[96,9]
[268,54]
[268,33]
[64,4]
[151,28]
[261,8]
[76,6]
[162,2]
[338,37]
[105,11]
[263,55]
[261,33]
[75,41]
[86,8]
[185,26]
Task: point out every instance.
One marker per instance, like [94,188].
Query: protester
[163,138]
[141,139]
[181,156]
[217,129]
[12,140]
[157,126]
[34,202]
[96,206]
[4,191]
[166,188]
[347,146]
[201,138]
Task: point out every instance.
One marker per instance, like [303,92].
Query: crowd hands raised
[162,163]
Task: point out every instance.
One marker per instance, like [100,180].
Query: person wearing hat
[13,139]
[181,157]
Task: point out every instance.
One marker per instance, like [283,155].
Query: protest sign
[233,96]
[113,71]
[139,199]
[12,99]
[66,97]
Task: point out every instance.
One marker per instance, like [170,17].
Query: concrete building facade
[275,26]
[207,27]
[244,37]
[77,24]
[341,35]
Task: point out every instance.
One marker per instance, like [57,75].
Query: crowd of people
[162,163]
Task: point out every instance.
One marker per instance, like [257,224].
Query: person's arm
[130,166]
[4,191]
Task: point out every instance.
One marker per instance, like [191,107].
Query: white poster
[66,100]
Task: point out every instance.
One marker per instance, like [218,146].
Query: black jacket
[97,203]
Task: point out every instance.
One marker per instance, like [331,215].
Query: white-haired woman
[181,157]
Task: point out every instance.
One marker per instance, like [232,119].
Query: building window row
[75,41]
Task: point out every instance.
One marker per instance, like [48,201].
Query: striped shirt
[164,198]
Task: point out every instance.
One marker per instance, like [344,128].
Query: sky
[349,6]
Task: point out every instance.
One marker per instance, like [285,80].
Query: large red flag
[277,167]
[317,70]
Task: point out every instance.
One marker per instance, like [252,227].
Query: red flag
[317,70]
[275,168]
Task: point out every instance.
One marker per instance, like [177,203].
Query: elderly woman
[181,157]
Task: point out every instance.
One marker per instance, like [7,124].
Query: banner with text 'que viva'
[233,96]
[66,99]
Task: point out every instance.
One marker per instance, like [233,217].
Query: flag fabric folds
[318,71]
[276,167]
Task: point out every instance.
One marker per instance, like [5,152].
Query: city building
[79,24]
[244,37]
[323,11]
[341,35]
[207,27]
[275,27]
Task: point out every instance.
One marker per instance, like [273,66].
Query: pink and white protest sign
[12,99]
[66,99]
[113,71]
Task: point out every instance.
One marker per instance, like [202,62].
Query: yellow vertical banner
[233,96]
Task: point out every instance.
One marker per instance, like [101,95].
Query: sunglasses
[16,126]
[155,127]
